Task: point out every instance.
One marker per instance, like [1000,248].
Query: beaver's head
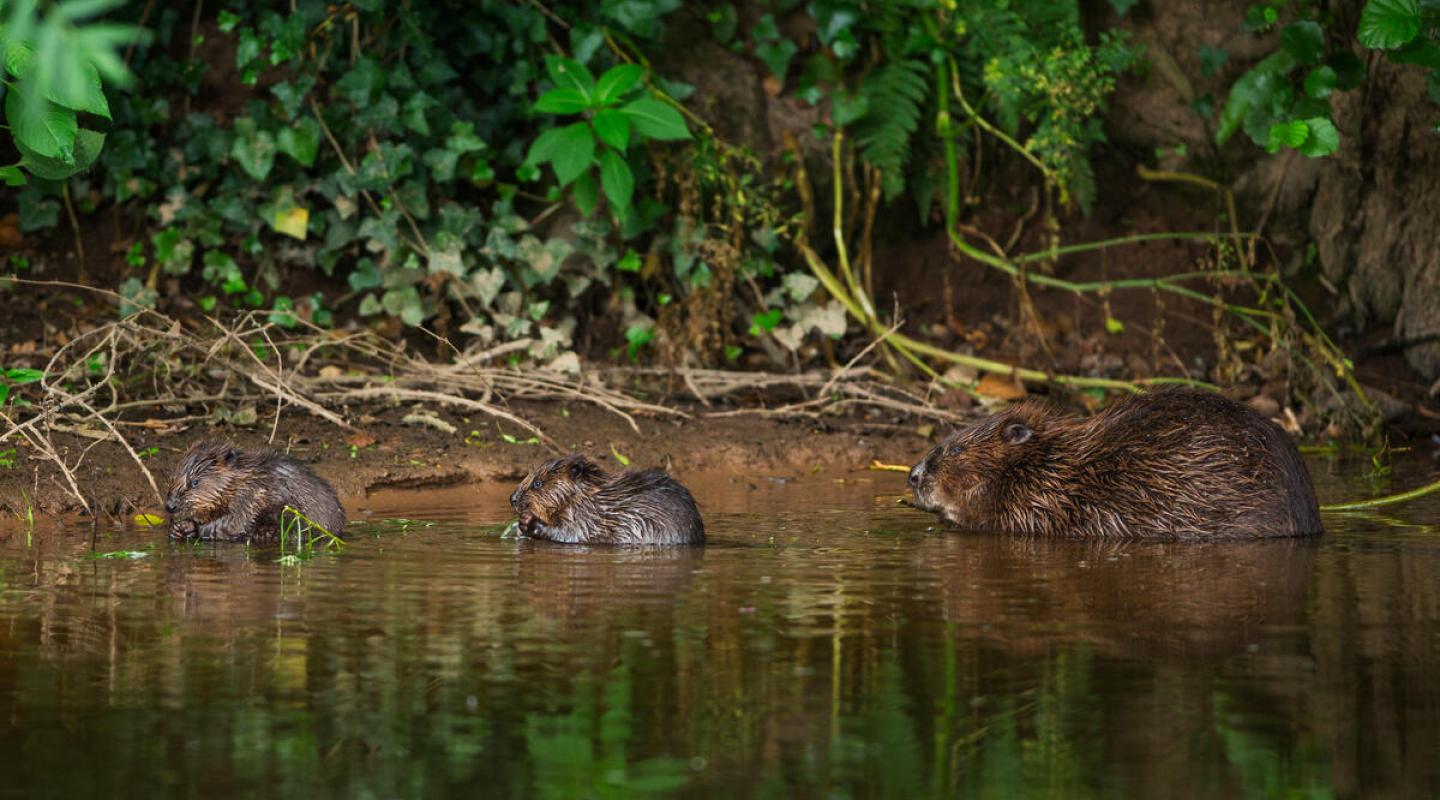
[203,485]
[992,475]
[547,493]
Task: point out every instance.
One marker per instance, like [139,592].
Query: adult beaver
[221,492]
[573,500]
[1175,463]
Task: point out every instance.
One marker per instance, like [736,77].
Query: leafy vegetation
[1284,101]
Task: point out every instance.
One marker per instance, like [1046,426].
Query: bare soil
[386,453]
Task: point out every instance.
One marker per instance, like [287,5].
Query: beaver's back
[1198,464]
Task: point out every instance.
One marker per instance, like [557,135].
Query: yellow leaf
[292,221]
[148,520]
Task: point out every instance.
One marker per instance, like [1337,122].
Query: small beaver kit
[221,492]
[1173,464]
[573,500]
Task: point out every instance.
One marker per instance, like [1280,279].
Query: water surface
[825,643]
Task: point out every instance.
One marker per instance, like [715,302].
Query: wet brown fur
[573,500]
[223,493]
[1174,464]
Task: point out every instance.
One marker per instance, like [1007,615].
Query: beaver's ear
[228,457]
[577,469]
[1016,433]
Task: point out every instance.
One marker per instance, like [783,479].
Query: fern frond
[895,94]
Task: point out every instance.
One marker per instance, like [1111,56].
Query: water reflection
[842,651]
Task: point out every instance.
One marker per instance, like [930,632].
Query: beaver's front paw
[184,529]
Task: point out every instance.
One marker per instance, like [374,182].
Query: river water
[826,642]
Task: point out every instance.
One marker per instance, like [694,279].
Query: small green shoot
[621,457]
[7,458]
[147,452]
[512,440]
[121,555]
[304,535]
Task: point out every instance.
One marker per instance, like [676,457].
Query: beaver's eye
[537,484]
[954,449]
[194,483]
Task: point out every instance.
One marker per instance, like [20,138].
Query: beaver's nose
[169,507]
[515,499]
[916,472]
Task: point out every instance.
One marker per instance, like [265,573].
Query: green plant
[18,376]
[303,536]
[55,65]
[1284,101]
[599,142]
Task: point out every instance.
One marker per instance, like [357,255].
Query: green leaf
[253,149]
[587,194]
[621,457]
[1324,139]
[1420,51]
[574,153]
[85,94]
[570,74]
[613,128]
[1305,40]
[1212,59]
[40,125]
[562,101]
[630,262]
[405,304]
[1388,24]
[546,146]
[764,321]
[848,107]
[1320,82]
[616,82]
[1257,87]
[617,179]
[301,142]
[1349,70]
[22,375]
[88,144]
[1287,134]
[656,120]
[12,176]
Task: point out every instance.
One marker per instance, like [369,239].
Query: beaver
[1174,464]
[573,500]
[221,492]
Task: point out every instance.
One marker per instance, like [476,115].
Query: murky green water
[826,643]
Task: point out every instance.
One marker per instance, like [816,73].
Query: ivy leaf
[616,82]
[1320,82]
[1324,139]
[574,153]
[405,304]
[587,194]
[301,142]
[617,179]
[656,120]
[1305,40]
[1388,24]
[40,125]
[613,128]
[253,149]
[562,101]
[570,74]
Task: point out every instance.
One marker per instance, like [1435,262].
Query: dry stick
[277,386]
[824,390]
[444,399]
[133,455]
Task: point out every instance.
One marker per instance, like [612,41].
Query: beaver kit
[224,493]
[1176,463]
[573,500]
